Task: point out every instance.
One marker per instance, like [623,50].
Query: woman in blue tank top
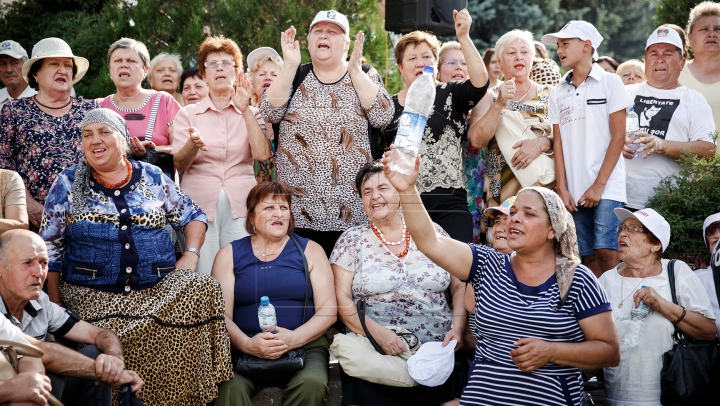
[269,263]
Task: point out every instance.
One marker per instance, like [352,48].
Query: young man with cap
[710,276]
[12,57]
[587,111]
[672,119]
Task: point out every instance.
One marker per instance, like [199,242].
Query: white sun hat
[652,220]
[255,54]
[576,29]
[55,48]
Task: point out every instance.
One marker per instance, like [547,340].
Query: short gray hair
[164,55]
[512,36]
[129,43]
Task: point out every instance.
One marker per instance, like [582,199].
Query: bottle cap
[264,301]
[428,69]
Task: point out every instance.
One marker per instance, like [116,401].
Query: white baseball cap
[652,220]
[13,49]
[708,221]
[576,29]
[257,53]
[665,35]
[333,17]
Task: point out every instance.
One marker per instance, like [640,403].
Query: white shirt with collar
[680,114]
[583,114]
[5,96]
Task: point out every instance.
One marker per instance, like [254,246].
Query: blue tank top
[282,280]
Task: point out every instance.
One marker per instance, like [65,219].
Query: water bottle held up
[266,315]
[411,127]
[632,126]
[637,321]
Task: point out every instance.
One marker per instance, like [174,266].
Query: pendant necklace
[274,253]
[620,305]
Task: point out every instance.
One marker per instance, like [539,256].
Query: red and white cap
[652,220]
[334,17]
[576,29]
[664,35]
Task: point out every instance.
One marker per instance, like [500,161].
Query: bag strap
[153,117]
[361,314]
[307,276]
[671,276]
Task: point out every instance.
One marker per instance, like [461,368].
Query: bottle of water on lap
[637,321]
[266,315]
[411,127]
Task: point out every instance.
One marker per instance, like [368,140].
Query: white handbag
[512,128]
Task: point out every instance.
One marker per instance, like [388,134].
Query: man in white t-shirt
[12,57]
[672,119]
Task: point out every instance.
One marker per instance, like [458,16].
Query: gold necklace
[526,93]
[622,284]
[274,253]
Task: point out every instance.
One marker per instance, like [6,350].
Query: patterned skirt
[173,335]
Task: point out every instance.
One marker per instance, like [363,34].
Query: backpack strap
[300,75]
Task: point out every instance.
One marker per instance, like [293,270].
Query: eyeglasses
[215,64]
[453,63]
[632,229]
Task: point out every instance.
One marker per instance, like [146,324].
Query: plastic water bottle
[266,315]
[637,320]
[418,105]
[632,126]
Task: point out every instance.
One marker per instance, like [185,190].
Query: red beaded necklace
[380,237]
[115,185]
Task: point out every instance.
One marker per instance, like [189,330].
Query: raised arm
[259,142]
[365,88]
[279,91]
[476,66]
[486,119]
[451,255]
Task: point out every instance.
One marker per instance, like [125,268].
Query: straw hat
[55,48]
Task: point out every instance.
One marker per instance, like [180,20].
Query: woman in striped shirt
[541,316]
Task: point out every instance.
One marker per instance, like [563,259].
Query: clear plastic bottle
[637,320]
[418,105]
[632,126]
[266,315]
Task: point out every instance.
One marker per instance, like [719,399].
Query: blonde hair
[512,36]
[632,63]
[252,70]
[704,9]
[448,46]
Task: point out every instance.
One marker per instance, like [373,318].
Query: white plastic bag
[433,363]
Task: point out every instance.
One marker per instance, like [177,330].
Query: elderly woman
[164,74]
[324,134]
[608,63]
[711,280]
[242,269]
[215,141]
[642,276]
[149,114]
[442,180]
[13,209]
[264,65]
[701,73]
[41,135]
[516,50]
[541,316]
[112,263]
[192,86]
[380,263]
[631,72]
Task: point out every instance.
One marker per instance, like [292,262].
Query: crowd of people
[139,232]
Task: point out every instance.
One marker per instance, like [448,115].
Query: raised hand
[197,139]
[290,47]
[463,21]
[400,182]
[355,63]
[506,92]
[241,93]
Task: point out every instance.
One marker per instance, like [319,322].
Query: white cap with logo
[652,220]
[576,29]
[332,16]
[13,49]
[665,35]
[714,218]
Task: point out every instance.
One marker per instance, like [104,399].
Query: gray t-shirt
[41,316]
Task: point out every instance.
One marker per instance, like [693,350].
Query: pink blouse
[228,162]
[138,119]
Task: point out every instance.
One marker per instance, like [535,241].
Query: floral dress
[407,292]
[474,167]
[39,146]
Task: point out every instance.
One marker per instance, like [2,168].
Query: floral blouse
[115,241]
[39,146]
[407,292]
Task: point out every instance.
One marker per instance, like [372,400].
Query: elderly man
[672,118]
[12,57]
[23,269]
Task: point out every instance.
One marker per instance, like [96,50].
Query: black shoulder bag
[275,370]
[691,369]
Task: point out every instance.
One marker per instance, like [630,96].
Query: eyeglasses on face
[215,64]
[630,228]
[454,63]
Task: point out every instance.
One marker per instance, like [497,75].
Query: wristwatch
[193,250]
